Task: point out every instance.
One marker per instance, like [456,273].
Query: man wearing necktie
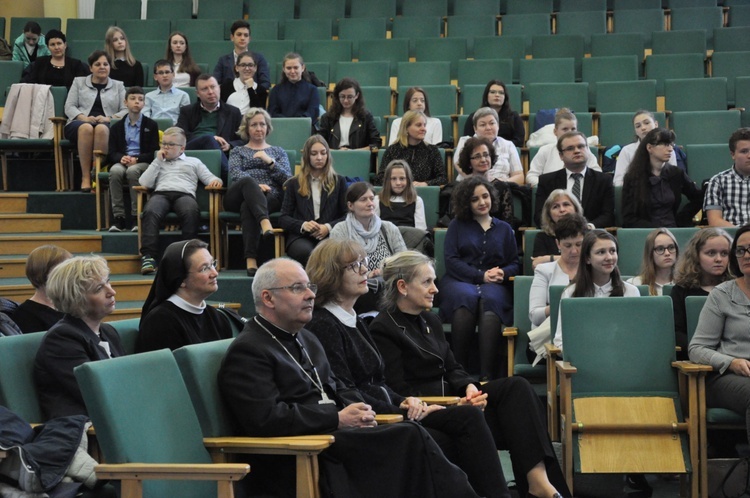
[593,189]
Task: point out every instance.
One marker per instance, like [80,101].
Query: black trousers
[253,205]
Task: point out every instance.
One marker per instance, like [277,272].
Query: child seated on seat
[174,178]
[132,144]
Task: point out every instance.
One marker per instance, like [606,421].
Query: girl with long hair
[660,253]
[178,53]
[510,125]
[348,124]
[125,67]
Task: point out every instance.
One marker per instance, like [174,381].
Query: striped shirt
[729,192]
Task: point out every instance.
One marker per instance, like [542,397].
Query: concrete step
[119,264]
[129,287]
[13,203]
[75,242]
[132,309]
[30,223]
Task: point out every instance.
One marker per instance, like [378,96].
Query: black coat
[149,141]
[598,196]
[361,134]
[228,124]
[296,209]
[636,214]
[40,71]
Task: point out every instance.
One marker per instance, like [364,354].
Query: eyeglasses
[572,148]
[347,97]
[205,268]
[167,145]
[162,73]
[297,288]
[357,266]
[477,157]
[660,249]
[246,65]
[740,251]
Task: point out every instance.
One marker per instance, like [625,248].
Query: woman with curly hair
[703,265]
[510,124]
[660,253]
[652,190]
[178,53]
[480,257]
[348,124]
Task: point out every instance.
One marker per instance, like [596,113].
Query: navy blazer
[228,124]
[224,70]
[296,209]
[149,141]
[598,196]
[637,215]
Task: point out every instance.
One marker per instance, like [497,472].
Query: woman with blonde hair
[703,265]
[558,204]
[38,313]
[124,66]
[314,200]
[80,288]
[424,159]
[660,253]
[257,172]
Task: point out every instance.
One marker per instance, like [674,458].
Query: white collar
[184,305]
[348,319]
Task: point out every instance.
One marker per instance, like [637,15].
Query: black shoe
[251,272]
[119,225]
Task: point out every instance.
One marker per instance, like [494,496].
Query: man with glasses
[727,201]
[592,188]
[165,101]
[276,381]
[173,177]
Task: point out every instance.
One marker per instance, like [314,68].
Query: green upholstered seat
[17,388]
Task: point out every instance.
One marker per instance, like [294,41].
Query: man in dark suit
[209,123]
[240,36]
[593,189]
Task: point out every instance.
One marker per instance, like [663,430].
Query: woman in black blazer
[652,189]
[348,124]
[313,200]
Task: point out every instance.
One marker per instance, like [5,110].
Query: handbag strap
[746,491]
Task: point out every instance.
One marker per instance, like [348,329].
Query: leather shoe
[251,272]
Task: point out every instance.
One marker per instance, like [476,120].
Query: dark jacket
[418,362]
[40,71]
[69,343]
[636,214]
[149,141]
[297,209]
[224,70]
[598,196]
[229,120]
[361,134]
[258,97]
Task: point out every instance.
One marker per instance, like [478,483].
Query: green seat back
[87,29]
[352,163]
[308,29]
[443,98]
[529,236]
[430,195]
[693,308]
[368,9]
[330,51]
[147,29]
[322,9]
[574,96]
[470,26]
[613,354]
[705,19]
[734,39]
[10,73]
[440,253]
[424,73]
[616,128]
[170,9]
[661,67]
[17,388]
[555,292]
[632,240]
[199,365]
[679,42]
[290,133]
[441,49]
[379,100]
[615,68]
[501,47]
[363,28]
[46,23]
[477,72]
[221,9]
[559,46]
[730,65]
[128,332]
[391,50]
[522,367]
[203,29]
[626,96]
[212,160]
[680,94]
[142,413]
[704,127]
[641,21]
[470,100]
[529,6]
[367,73]
[278,9]
[526,25]
[707,160]
[412,27]
[425,8]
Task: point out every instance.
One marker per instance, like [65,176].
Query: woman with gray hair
[418,361]
[507,165]
[257,172]
[80,288]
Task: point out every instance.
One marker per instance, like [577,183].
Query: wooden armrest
[441,400]
[691,368]
[389,418]
[510,331]
[140,188]
[99,152]
[177,471]
[552,349]
[254,444]
[58,120]
[565,368]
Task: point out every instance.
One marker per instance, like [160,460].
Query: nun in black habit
[175,313]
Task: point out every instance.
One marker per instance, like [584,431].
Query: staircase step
[73,242]
[132,309]
[119,264]
[128,287]
[30,223]
[13,203]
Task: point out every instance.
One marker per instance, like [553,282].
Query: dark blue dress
[469,252]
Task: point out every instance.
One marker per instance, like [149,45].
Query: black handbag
[729,478]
